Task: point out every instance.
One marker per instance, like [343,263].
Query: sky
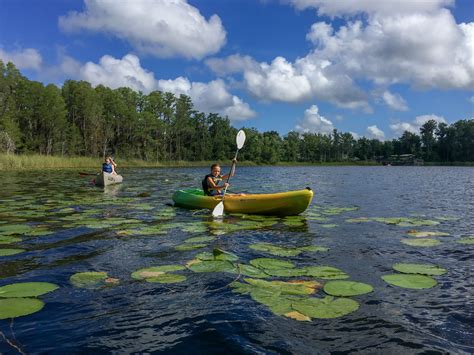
[369,67]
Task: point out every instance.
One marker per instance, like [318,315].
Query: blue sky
[373,68]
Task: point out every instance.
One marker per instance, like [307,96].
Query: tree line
[80,120]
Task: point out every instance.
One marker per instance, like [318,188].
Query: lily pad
[358,220]
[410,281]
[347,288]
[89,279]
[325,272]
[251,271]
[421,242]
[467,240]
[199,239]
[10,229]
[27,289]
[289,287]
[18,307]
[217,254]
[271,264]
[8,252]
[186,247]
[7,239]
[284,251]
[166,278]
[326,308]
[212,266]
[155,271]
[423,234]
[424,269]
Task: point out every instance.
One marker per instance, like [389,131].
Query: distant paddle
[218,211]
[86,174]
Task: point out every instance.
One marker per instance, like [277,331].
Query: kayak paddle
[87,174]
[218,211]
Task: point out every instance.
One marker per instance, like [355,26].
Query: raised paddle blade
[218,211]
[240,140]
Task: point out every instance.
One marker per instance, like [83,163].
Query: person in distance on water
[210,183]
[109,166]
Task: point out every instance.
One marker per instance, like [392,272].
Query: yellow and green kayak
[278,204]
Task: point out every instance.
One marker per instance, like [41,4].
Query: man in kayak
[210,183]
[109,166]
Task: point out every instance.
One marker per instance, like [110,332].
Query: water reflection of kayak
[106,179]
[276,204]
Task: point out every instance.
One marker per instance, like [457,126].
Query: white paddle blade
[218,211]
[240,139]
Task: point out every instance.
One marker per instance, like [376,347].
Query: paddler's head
[215,169]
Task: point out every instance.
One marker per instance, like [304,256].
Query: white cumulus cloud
[28,58]
[413,42]
[166,28]
[313,122]
[394,101]
[375,132]
[209,97]
[415,125]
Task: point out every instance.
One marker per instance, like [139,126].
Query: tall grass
[37,161]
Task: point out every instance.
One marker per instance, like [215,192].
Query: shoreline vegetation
[13,162]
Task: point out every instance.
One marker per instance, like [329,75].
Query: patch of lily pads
[160,274]
[9,239]
[397,221]
[466,240]
[11,251]
[17,300]
[426,242]
[285,251]
[92,279]
[423,234]
[292,299]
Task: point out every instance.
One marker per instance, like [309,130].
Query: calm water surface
[202,314]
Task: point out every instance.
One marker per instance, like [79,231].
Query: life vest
[205,185]
[107,168]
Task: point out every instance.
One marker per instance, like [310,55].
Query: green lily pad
[347,288]
[155,271]
[358,220]
[27,289]
[213,266]
[425,269]
[8,252]
[18,307]
[328,225]
[421,242]
[217,254]
[284,287]
[10,229]
[284,251]
[166,278]
[251,271]
[7,239]
[467,240]
[199,239]
[326,308]
[271,264]
[289,272]
[325,272]
[427,234]
[89,279]
[410,281]
[186,247]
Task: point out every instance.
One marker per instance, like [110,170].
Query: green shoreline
[10,162]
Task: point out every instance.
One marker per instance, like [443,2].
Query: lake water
[73,226]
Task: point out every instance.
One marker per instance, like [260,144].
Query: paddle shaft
[232,169]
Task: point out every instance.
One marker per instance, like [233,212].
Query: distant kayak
[277,204]
[106,179]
